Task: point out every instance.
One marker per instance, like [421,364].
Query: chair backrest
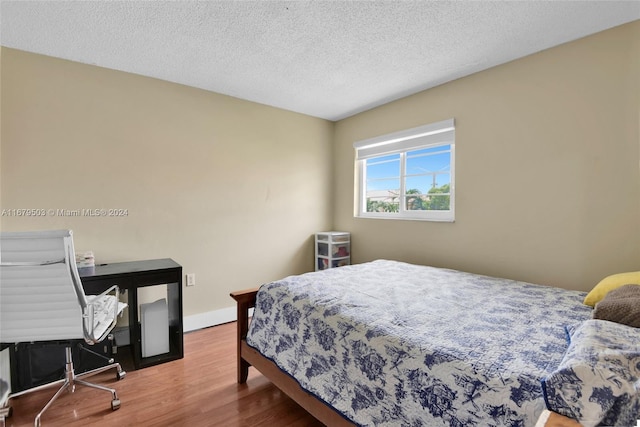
[41,295]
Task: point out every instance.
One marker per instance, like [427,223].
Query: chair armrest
[111,289]
[89,325]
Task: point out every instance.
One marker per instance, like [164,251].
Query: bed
[387,343]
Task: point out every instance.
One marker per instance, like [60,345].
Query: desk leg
[134,331]
[174,305]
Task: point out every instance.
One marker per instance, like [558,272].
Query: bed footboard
[245,299]
[248,356]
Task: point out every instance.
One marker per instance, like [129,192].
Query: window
[408,174]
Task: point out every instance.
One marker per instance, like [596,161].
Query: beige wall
[230,189]
[547,167]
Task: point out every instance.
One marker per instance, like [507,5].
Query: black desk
[130,276]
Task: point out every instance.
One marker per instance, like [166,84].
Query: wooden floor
[199,390]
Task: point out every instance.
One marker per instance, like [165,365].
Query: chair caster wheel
[120,375]
[115,404]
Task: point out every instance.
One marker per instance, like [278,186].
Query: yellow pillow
[610,283]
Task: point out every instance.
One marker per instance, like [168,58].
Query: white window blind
[419,137]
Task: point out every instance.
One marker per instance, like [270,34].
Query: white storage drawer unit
[333,249]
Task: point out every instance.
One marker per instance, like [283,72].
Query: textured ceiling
[329,59]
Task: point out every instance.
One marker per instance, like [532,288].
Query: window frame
[402,142]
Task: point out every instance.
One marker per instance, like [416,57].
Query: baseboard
[210,318]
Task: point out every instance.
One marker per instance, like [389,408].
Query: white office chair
[42,299]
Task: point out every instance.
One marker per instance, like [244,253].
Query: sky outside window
[426,168]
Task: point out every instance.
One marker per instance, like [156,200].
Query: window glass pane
[383,173]
[416,202]
[419,184]
[438,202]
[428,172]
[383,187]
[426,183]
[383,204]
[383,167]
[383,183]
[428,163]
[423,193]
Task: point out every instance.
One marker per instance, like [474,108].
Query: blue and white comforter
[598,380]
[394,344]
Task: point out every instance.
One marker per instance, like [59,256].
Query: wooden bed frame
[247,356]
